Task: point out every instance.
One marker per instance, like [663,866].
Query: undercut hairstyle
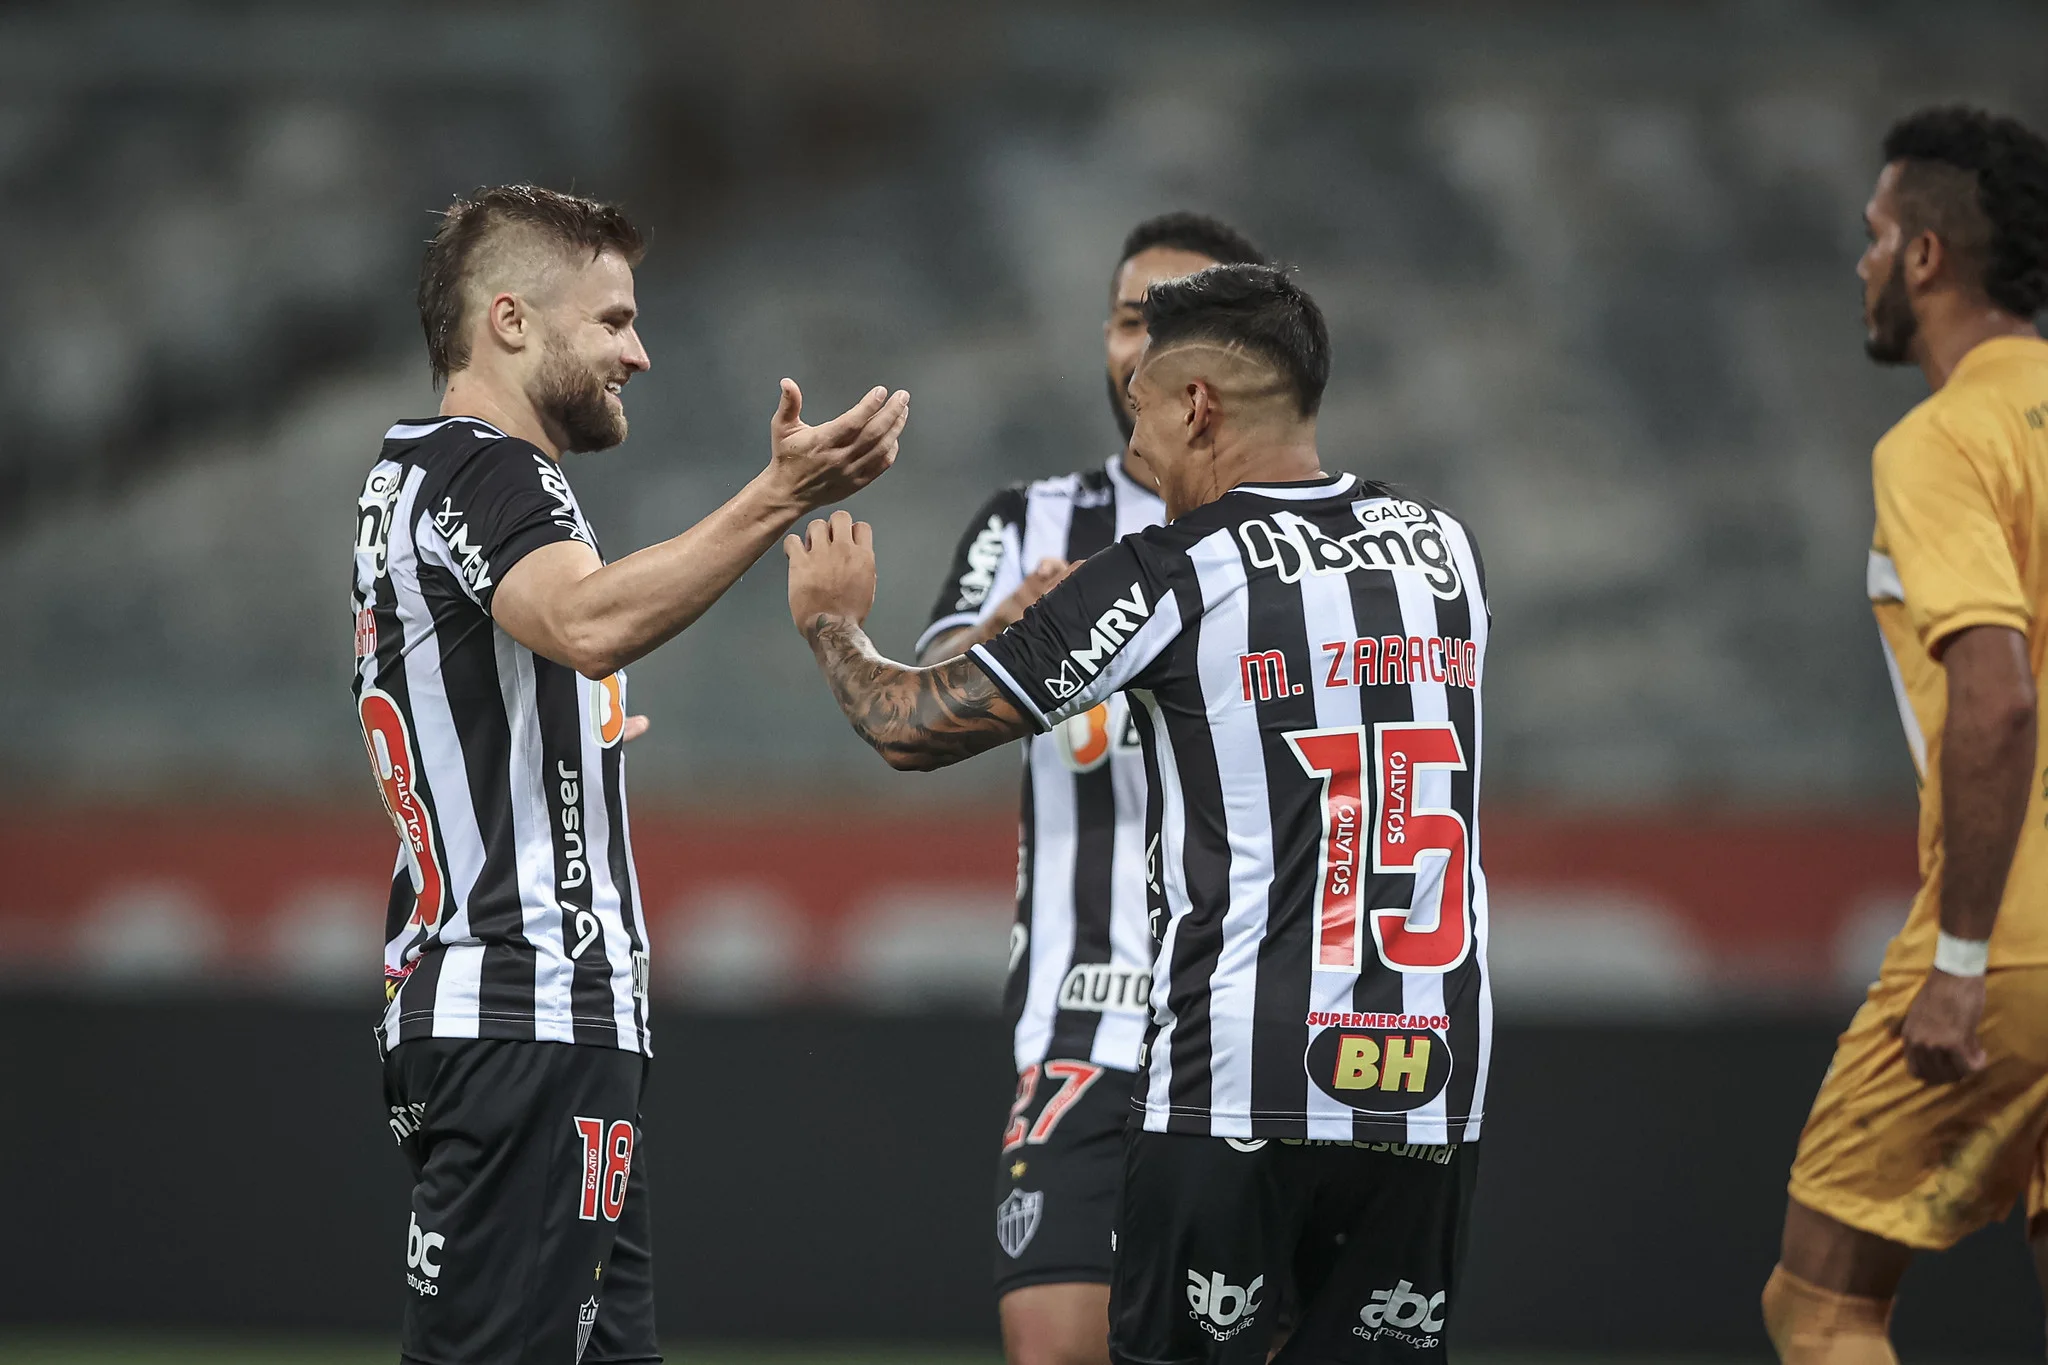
[1196,232]
[1256,308]
[473,224]
[1980,183]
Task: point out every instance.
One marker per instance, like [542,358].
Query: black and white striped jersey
[1303,661]
[514,910]
[1081,949]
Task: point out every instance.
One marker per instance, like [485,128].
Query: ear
[1200,400]
[510,322]
[1923,256]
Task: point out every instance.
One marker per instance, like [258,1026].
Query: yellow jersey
[1962,540]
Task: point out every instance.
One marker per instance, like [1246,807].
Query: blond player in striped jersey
[1933,1119]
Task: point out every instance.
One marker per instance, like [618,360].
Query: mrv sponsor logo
[467,554]
[1222,1308]
[422,1258]
[1394,534]
[1402,1315]
[1112,630]
[1105,989]
[1379,1072]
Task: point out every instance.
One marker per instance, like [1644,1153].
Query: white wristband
[1960,956]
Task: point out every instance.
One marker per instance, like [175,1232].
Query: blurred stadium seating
[1588,272]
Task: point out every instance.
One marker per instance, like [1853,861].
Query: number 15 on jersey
[1431,934]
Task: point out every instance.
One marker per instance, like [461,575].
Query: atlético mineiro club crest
[586,1319]
[1017,1220]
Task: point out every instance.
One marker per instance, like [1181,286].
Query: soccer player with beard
[491,639]
[1082,948]
[1933,1118]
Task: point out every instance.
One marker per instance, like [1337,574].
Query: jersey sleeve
[1939,517]
[503,503]
[1091,636]
[987,566]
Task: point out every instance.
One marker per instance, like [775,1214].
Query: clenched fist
[831,571]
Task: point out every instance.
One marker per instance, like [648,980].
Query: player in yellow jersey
[1933,1118]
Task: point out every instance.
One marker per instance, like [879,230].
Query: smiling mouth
[615,387]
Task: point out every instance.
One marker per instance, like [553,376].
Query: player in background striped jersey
[1933,1119]
[1304,653]
[1081,950]
[491,643]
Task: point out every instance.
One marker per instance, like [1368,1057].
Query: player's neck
[471,395]
[1954,328]
[1287,460]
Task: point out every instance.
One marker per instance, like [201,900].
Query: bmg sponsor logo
[1381,1071]
[422,1257]
[1402,1315]
[1221,1308]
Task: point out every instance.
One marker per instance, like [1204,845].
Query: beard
[574,401]
[1891,326]
[1120,408]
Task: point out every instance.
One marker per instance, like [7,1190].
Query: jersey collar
[1302,490]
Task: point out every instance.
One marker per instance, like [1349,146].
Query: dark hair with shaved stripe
[1256,307]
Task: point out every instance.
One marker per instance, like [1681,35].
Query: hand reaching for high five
[836,459]
[831,571]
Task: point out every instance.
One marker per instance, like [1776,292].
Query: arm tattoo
[920,718]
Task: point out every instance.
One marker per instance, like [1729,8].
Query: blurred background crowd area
[1589,275]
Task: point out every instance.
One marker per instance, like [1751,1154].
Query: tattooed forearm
[919,718]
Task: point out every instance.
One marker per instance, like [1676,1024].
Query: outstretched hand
[831,571]
[834,460]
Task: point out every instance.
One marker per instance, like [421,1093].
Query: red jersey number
[1429,842]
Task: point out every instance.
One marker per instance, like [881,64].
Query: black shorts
[1057,1177]
[529,1234]
[1360,1241]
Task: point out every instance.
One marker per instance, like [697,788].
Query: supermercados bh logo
[1112,630]
[1384,1064]
[1393,534]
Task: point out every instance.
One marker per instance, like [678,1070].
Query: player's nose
[635,358]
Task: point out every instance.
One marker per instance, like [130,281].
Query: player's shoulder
[445,438]
[469,453]
[2000,384]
